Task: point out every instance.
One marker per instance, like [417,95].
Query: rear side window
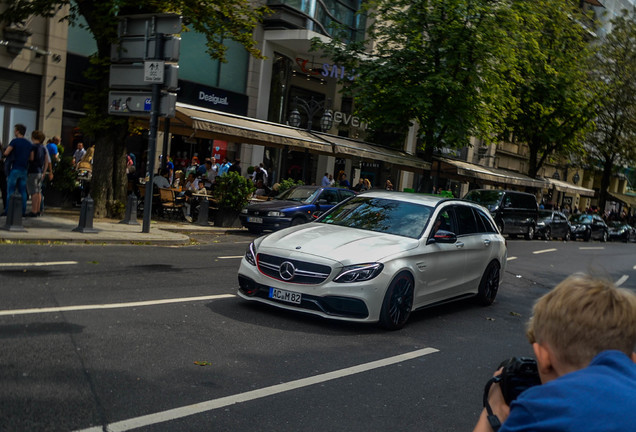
[523,201]
[483,222]
[331,196]
[466,220]
[344,194]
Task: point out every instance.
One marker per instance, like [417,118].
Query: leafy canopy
[439,62]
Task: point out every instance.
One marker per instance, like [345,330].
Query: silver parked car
[377,257]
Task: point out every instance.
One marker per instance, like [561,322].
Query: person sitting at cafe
[161,180]
[261,189]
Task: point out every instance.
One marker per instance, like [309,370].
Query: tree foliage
[438,62]
[551,86]
[218,20]
[613,142]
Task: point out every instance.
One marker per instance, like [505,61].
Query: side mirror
[442,236]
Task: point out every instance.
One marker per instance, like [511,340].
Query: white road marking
[592,248]
[511,258]
[188,410]
[38,264]
[543,251]
[111,305]
[231,257]
[622,280]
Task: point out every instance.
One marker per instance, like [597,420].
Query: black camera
[518,374]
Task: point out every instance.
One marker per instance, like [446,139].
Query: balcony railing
[322,16]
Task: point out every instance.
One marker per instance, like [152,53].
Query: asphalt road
[110,350]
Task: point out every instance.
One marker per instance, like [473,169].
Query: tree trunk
[109,171]
[533,158]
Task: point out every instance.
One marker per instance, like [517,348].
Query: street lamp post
[310,108]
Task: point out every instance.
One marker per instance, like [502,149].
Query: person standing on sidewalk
[19,153]
[38,167]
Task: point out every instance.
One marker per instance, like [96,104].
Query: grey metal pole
[152,139]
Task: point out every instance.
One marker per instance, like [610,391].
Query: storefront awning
[204,123]
[366,151]
[497,176]
[562,186]
[629,200]
[200,122]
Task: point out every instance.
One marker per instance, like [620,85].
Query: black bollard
[131,211]
[14,214]
[204,209]
[86,216]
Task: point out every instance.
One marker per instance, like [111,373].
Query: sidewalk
[57,225]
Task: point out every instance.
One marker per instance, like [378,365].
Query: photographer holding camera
[583,334]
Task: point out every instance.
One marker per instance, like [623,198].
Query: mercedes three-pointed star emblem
[287,271]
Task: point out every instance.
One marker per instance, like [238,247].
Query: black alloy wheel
[587,236]
[489,285]
[547,234]
[398,302]
[530,233]
[568,235]
[605,236]
[297,221]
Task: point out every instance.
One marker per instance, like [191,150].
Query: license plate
[286,296]
[255,219]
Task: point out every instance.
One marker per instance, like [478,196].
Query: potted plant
[231,192]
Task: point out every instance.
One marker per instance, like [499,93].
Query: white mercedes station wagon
[377,257]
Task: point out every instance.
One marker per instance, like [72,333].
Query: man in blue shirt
[19,153]
[583,334]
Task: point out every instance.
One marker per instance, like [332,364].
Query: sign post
[141,82]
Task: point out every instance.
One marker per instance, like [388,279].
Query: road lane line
[112,305]
[622,280]
[38,264]
[543,251]
[201,407]
[511,258]
[592,248]
[231,257]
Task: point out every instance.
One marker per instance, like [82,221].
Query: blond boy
[583,334]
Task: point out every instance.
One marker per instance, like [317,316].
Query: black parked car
[294,206]
[515,213]
[553,224]
[589,227]
[621,231]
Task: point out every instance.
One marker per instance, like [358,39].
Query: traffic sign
[138,48]
[153,71]
[149,24]
[140,103]
[132,76]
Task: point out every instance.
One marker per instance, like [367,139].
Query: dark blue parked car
[293,207]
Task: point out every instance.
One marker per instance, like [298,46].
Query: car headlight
[244,211]
[250,254]
[274,213]
[359,272]
[540,224]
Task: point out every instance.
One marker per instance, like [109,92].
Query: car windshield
[582,219]
[303,195]
[380,215]
[488,198]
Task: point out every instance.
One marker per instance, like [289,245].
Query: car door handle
[459,245]
[487,242]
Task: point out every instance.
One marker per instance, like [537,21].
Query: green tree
[551,80]
[218,20]
[440,63]
[613,142]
